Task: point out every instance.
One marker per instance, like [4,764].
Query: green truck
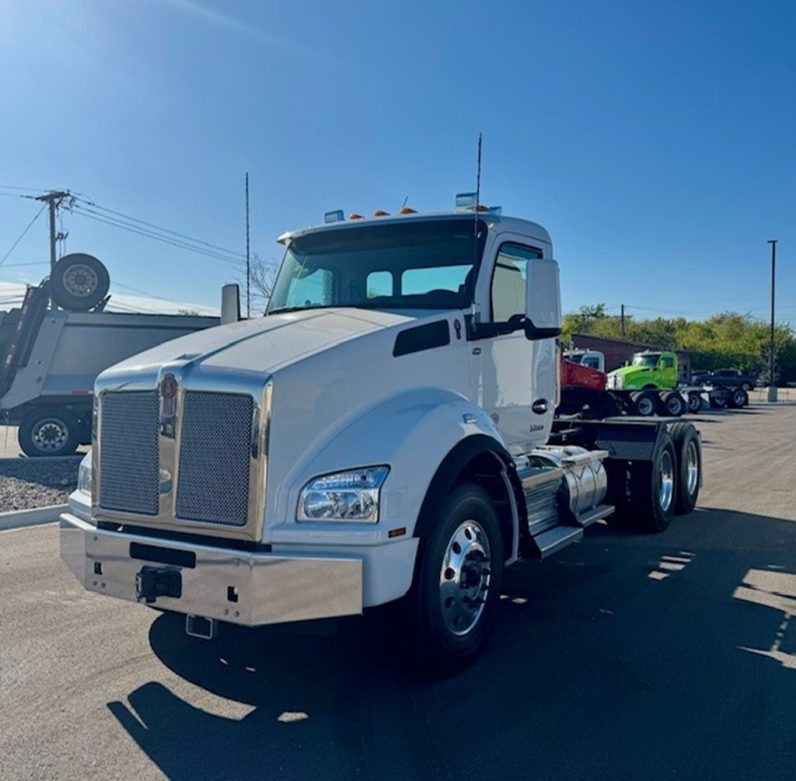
[651,373]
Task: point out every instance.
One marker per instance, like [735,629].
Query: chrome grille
[128,447]
[215,458]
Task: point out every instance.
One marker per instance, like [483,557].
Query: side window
[315,289]
[508,281]
[379,283]
[667,363]
[417,281]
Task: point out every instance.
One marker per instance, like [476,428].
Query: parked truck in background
[385,433]
[50,357]
[586,389]
[651,377]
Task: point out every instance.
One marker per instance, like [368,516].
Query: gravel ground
[27,483]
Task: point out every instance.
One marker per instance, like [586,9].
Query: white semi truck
[386,432]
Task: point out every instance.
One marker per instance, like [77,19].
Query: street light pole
[772,387]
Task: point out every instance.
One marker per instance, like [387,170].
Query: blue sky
[654,140]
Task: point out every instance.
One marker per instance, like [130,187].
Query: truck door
[515,379]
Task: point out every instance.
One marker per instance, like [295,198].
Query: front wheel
[457,582]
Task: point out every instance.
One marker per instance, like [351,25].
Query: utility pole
[54,199]
[248,268]
[623,319]
[772,387]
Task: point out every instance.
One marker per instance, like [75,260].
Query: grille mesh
[215,451]
[129,469]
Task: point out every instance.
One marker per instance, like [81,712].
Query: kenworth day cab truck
[386,432]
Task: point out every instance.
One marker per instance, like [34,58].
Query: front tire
[457,582]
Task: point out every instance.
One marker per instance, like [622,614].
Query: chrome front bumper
[229,585]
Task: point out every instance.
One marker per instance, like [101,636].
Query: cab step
[592,516]
[556,538]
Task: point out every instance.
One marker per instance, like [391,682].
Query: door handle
[540,406]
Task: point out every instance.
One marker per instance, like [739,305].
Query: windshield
[410,265]
[646,360]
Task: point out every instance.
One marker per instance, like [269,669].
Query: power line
[90,215]
[161,229]
[22,235]
[147,293]
[26,189]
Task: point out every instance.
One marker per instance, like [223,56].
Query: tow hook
[201,627]
[154,582]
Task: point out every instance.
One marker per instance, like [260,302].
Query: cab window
[508,281]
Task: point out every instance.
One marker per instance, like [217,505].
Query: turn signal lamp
[336,216]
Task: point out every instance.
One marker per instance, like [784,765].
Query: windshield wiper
[281,309]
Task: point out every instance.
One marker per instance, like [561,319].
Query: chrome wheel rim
[692,467]
[465,578]
[666,481]
[50,435]
[80,280]
[645,406]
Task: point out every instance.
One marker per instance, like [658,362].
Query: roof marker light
[408,210]
[336,216]
[381,213]
[355,216]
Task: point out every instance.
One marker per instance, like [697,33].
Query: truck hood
[629,371]
[269,343]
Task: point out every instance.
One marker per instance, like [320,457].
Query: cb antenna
[477,185]
[474,307]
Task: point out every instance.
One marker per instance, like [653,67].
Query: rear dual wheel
[648,494]
[646,403]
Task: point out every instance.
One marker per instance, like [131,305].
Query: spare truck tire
[49,431]
[79,282]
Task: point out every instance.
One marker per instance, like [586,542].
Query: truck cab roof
[496,223]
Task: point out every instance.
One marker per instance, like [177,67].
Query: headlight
[84,475]
[619,381]
[343,496]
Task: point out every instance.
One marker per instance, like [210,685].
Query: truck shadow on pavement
[628,656]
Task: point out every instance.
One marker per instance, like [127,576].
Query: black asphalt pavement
[627,656]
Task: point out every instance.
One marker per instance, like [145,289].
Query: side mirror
[542,300]
[230,304]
